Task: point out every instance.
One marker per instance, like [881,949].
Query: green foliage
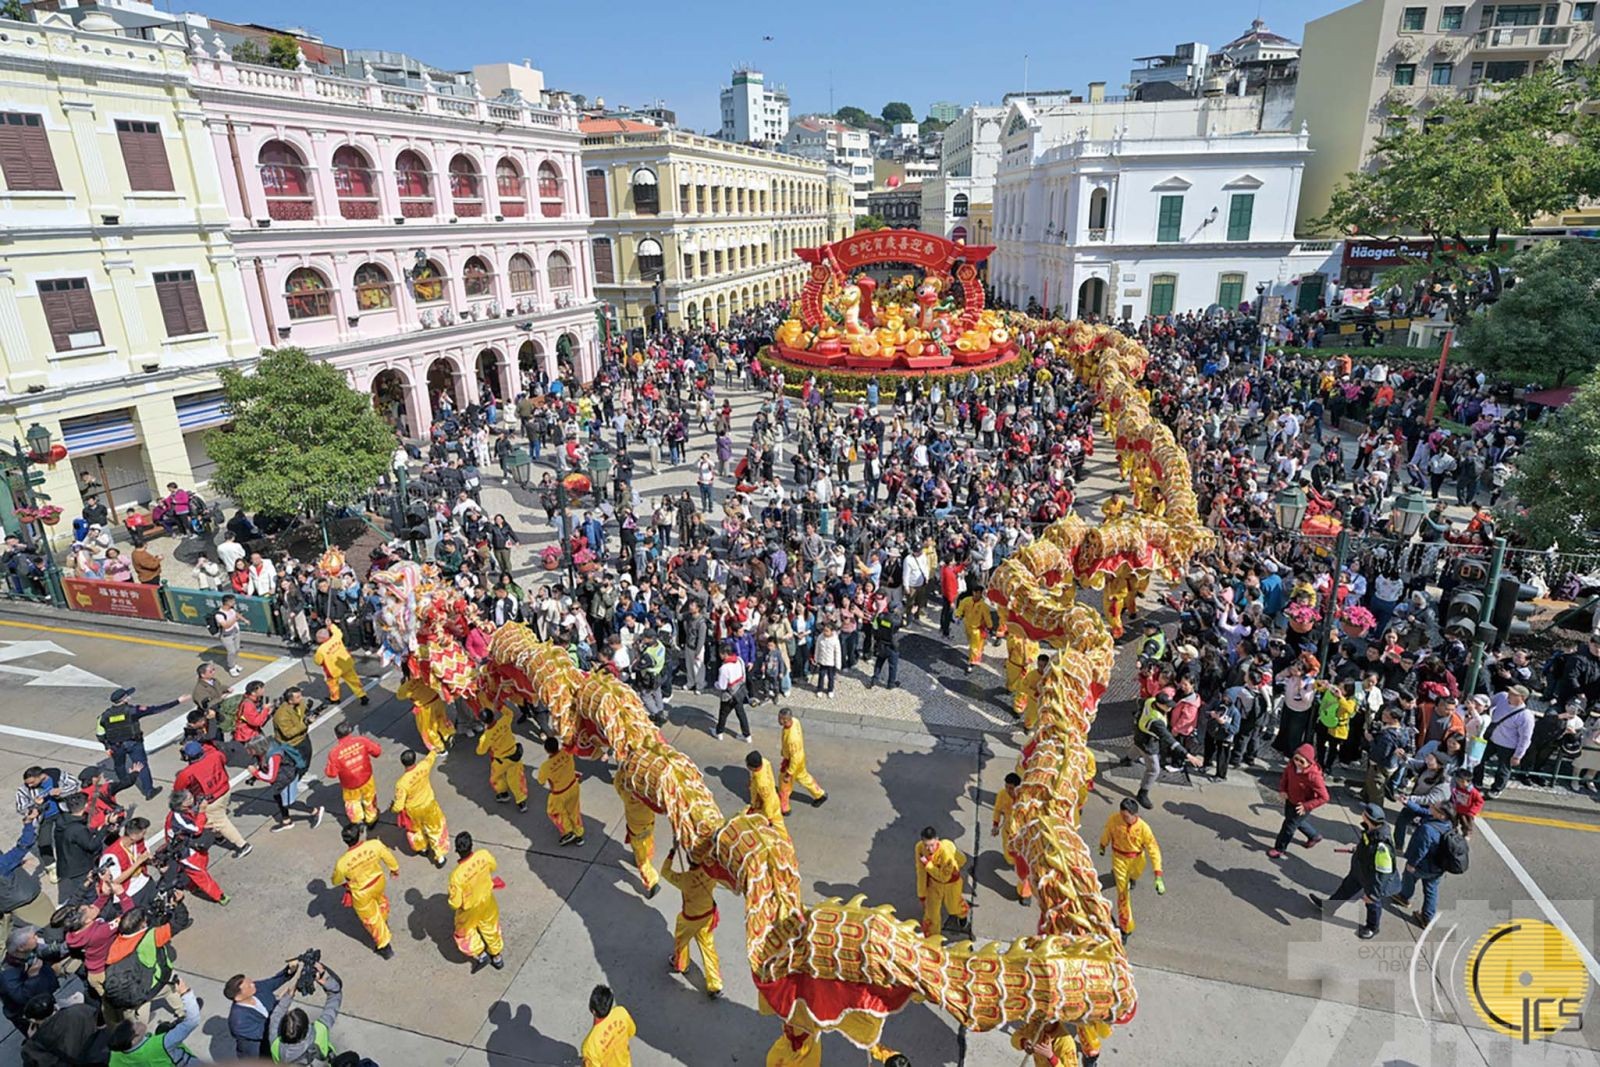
[301,437]
[854,116]
[282,51]
[870,222]
[898,111]
[13,10]
[249,52]
[1472,171]
[1554,492]
[932,125]
[1547,326]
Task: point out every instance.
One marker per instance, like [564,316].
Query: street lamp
[1289,509]
[519,464]
[38,441]
[1261,329]
[1405,519]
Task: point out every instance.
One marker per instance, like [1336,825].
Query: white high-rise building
[752,113]
[967,165]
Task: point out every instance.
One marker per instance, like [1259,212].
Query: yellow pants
[427,835]
[434,730]
[699,932]
[565,812]
[942,897]
[361,805]
[1125,870]
[974,646]
[347,674]
[644,852]
[478,930]
[789,777]
[509,776]
[784,1054]
[372,908]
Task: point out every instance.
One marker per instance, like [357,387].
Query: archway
[444,384]
[532,366]
[1092,297]
[491,377]
[705,312]
[569,357]
[722,309]
[391,398]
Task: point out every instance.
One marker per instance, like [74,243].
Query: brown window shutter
[144,154]
[84,319]
[68,309]
[194,312]
[179,298]
[604,272]
[25,152]
[58,313]
[171,301]
[598,207]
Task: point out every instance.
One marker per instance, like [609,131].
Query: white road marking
[65,676]
[169,731]
[1538,897]
[55,739]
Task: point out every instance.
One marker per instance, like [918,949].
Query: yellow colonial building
[120,297]
[689,230]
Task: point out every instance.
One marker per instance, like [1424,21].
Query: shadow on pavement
[428,918]
[516,1042]
[1262,890]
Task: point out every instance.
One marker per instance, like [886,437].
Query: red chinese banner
[132,600]
[926,250]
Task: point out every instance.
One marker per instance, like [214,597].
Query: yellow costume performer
[1003,825]
[362,870]
[973,611]
[337,664]
[477,923]
[939,866]
[793,769]
[764,791]
[1131,839]
[696,922]
[433,721]
[507,777]
[420,815]
[795,1048]
[1025,700]
[1022,652]
[559,774]
[606,1044]
[641,822]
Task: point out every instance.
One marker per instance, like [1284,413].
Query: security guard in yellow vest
[1153,741]
[1372,872]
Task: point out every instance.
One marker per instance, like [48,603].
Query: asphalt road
[1231,964]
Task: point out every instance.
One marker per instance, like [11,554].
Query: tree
[13,10]
[1547,324]
[282,51]
[301,438]
[854,116]
[896,111]
[1554,491]
[870,222]
[1472,171]
[932,125]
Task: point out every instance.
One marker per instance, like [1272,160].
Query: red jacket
[950,583]
[206,777]
[351,759]
[1304,787]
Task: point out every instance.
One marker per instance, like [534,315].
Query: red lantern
[58,453]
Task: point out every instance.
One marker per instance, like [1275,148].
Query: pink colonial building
[425,240]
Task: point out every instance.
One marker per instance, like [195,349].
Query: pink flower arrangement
[1303,613]
[1358,619]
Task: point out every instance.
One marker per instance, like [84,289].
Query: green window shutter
[1240,210]
[1169,222]
[1230,293]
[1161,294]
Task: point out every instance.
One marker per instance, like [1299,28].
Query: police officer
[1372,872]
[1152,741]
[650,670]
[120,731]
[886,639]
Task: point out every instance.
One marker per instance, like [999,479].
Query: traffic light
[1513,603]
[1464,611]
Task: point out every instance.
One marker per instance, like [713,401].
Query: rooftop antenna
[1024,74]
[830,89]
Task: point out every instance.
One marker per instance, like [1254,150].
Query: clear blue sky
[682,52]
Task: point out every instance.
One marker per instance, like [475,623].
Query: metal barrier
[191,607]
[166,603]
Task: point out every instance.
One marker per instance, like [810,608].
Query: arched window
[427,283]
[477,278]
[466,187]
[958,206]
[512,189]
[550,202]
[519,274]
[646,192]
[307,294]
[558,269]
[374,288]
[414,183]
[650,259]
[1098,205]
[286,183]
[352,183]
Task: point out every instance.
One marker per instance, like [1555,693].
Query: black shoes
[1144,800]
[819,801]
[386,952]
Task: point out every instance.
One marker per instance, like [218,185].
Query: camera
[306,983]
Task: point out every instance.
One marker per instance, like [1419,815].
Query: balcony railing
[513,193]
[1506,38]
[467,209]
[358,208]
[1097,233]
[287,187]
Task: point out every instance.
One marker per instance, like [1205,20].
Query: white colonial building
[967,165]
[1126,209]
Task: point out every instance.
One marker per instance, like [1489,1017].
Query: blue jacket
[1424,843]
[247,1026]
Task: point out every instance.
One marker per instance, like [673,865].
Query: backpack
[130,981]
[290,754]
[228,713]
[1451,853]
[212,623]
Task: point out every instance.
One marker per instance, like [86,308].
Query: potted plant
[1356,620]
[1303,617]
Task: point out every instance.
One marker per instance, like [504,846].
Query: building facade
[943,111]
[689,230]
[900,207]
[831,141]
[1113,225]
[429,245]
[1359,60]
[120,293]
[752,113]
[967,166]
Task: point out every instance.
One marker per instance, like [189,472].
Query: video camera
[306,983]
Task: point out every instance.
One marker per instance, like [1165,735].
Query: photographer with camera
[20,896]
[105,815]
[296,1037]
[45,788]
[188,847]
[253,1002]
[77,847]
[134,1043]
[29,971]
[139,972]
